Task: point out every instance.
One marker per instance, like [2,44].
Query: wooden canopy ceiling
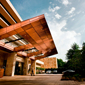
[36,32]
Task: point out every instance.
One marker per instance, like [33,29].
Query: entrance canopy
[35,34]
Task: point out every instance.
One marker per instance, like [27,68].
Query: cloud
[78,12]
[54,9]
[46,14]
[72,15]
[73,19]
[83,12]
[63,39]
[58,16]
[50,2]
[72,10]
[65,28]
[65,2]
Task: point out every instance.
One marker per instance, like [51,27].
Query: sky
[65,18]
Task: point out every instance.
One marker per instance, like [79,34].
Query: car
[68,71]
[48,71]
[54,71]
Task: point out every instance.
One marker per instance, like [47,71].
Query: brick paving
[44,79]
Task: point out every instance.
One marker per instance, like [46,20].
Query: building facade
[22,43]
[49,63]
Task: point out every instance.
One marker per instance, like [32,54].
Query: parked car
[68,71]
[54,71]
[48,71]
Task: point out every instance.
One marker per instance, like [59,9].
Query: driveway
[42,79]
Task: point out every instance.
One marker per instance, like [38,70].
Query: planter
[1,72]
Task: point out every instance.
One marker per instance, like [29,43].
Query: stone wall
[49,62]
[10,66]
[25,70]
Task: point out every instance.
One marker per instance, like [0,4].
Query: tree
[76,59]
[83,50]
[83,59]
[73,51]
[61,63]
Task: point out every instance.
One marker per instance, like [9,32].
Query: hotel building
[23,43]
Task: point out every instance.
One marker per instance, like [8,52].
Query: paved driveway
[46,79]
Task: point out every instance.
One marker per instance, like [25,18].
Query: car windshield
[71,70]
[55,70]
[49,70]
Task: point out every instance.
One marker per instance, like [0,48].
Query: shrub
[77,75]
[38,68]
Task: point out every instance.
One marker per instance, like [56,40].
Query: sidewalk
[39,79]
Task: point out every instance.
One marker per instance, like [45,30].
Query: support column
[10,66]
[25,70]
[1,60]
[33,66]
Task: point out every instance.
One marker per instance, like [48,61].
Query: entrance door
[19,68]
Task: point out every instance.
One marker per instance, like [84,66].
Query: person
[32,73]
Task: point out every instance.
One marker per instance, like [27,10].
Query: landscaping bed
[75,77]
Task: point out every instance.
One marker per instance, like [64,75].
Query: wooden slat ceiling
[9,7]
[2,23]
[6,15]
[35,31]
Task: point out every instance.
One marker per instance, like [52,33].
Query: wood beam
[32,58]
[35,31]
[6,47]
[3,23]
[17,28]
[39,57]
[23,47]
[34,53]
[6,15]
[22,54]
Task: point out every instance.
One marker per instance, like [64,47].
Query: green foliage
[61,63]
[77,75]
[38,68]
[83,51]
[75,46]
[37,72]
[76,59]
[74,51]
